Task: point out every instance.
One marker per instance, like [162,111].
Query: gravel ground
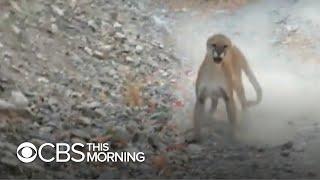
[122,72]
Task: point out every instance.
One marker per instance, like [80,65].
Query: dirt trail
[286,75]
[279,39]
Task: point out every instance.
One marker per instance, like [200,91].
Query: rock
[99,54]
[88,50]
[40,56]
[106,48]
[300,147]
[73,94]
[15,6]
[117,26]
[45,130]
[91,105]
[19,99]
[43,80]
[91,112]
[52,20]
[129,59]
[287,145]
[158,44]
[163,57]
[57,10]
[139,49]
[132,126]
[126,48]
[261,150]
[54,28]
[7,54]
[100,112]
[120,36]
[159,115]
[285,153]
[53,101]
[93,25]
[85,121]
[163,73]
[15,29]
[73,4]
[194,148]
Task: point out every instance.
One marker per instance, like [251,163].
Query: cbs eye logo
[26,152]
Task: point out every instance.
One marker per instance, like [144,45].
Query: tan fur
[220,77]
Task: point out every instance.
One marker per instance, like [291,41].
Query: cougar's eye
[214,45]
[225,46]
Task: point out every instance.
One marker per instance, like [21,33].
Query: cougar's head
[217,47]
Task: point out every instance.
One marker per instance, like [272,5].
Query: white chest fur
[213,78]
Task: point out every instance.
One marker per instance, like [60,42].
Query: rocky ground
[122,72]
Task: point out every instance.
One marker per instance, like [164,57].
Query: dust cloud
[290,82]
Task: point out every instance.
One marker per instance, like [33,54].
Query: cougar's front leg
[199,113]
